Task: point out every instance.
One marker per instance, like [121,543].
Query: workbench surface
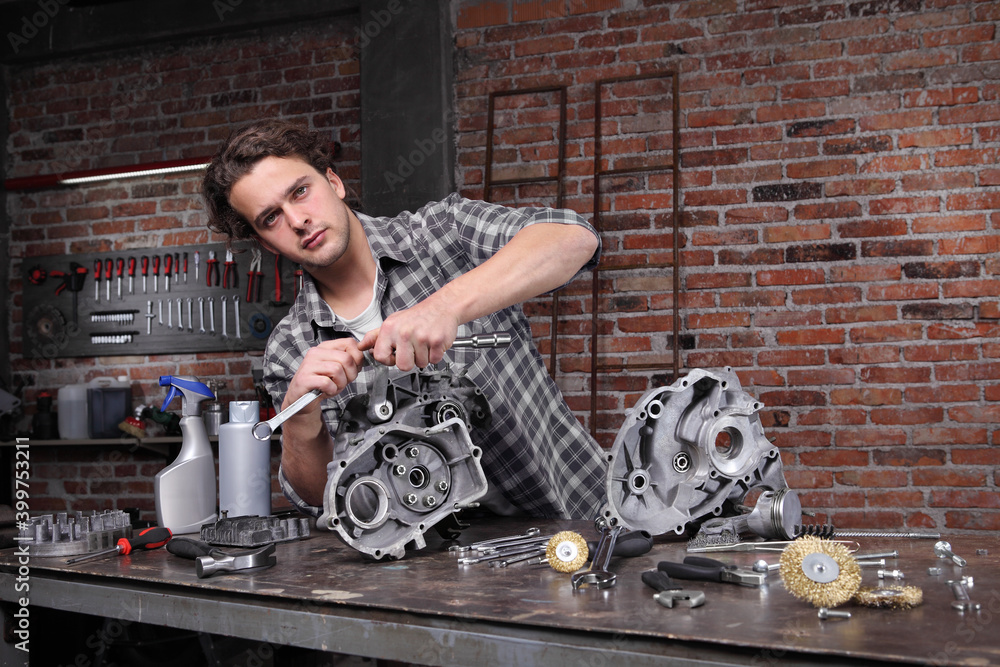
[427,609]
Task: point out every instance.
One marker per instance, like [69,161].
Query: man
[405,288]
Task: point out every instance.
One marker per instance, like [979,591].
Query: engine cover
[403,460]
[686,452]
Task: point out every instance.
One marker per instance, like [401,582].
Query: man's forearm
[538,259]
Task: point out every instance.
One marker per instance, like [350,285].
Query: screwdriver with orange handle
[151,538]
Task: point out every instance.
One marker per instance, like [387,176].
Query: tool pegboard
[154,301]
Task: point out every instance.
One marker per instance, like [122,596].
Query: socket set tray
[208,306]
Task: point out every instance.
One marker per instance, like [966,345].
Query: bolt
[763,566]
[399,470]
[825,613]
[871,563]
[942,549]
[890,574]
[441,486]
[410,499]
[430,501]
[412,452]
[982,552]
[934,571]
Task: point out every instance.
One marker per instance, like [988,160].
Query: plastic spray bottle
[185,489]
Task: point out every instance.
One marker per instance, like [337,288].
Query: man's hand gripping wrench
[263,430]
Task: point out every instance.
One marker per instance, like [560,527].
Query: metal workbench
[426,609]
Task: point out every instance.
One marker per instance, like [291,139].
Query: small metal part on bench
[942,549]
[74,533]
[255,531]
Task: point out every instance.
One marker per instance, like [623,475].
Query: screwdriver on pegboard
[151,538]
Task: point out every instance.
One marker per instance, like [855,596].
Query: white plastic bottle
[244,464]
[184,491]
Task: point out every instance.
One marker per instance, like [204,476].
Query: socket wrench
[263,430]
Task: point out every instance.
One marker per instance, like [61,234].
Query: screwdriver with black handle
[150,538]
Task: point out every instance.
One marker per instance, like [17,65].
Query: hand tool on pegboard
[156,274]
[168,264]
[254,277]
[37,275]
[185,268]
[211,270]
[297,287]
[278,302]
[119,270]
[197,261]
[131,275]
[109,265]
[145,272]
[97,281]
[150,538]
[229,271]
[73,281]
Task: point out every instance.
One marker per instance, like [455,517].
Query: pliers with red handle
[212,269]
[254,277]
[230,269]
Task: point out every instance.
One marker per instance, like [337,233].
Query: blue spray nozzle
[192,393]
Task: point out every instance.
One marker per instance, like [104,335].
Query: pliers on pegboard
[254,277]
[230,269]
[212,269]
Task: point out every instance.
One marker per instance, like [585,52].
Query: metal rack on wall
[673,166]
[208,307]
[559,179]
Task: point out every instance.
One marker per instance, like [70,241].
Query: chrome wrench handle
[598,574]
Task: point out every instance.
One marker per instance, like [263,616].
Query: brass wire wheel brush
[819,571]
[890,597]
[566,551]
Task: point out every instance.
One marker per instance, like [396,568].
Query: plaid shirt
[535,452]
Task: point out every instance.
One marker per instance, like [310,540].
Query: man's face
[296,211]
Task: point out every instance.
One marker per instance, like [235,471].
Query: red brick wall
[839,222]
[150,105]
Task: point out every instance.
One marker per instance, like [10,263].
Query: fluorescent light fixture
[131,174]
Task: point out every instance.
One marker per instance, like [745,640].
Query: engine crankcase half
[685,450]
[403,460]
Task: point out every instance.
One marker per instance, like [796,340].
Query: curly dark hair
[240,153]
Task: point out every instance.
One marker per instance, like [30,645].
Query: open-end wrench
[224,333]
[263,430]
[201,310]
[598,574]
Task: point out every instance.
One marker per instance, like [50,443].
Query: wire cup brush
[819,571]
